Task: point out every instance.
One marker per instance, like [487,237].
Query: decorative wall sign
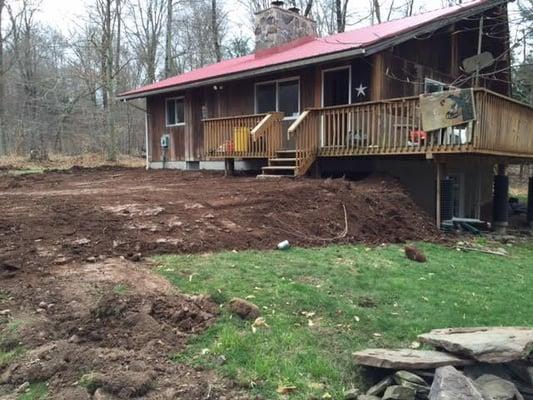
[447,108]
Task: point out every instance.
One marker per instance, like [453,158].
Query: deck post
[229,167]
[500,210]
[438,196]
[530,202]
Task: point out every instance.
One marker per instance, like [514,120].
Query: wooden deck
[503,126]
[246,136]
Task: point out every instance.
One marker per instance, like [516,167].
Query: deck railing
[247,136]
[306,133]
[503,126]
[393,126]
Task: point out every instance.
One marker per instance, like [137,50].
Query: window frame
[323,74]
[183,123]
[277,82]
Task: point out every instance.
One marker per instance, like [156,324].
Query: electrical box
[165,141]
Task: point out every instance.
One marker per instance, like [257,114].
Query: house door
[336,91]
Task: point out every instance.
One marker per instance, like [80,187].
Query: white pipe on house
[146,140]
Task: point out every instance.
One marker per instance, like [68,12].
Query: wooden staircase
[284,164]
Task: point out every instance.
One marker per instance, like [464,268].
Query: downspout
[146,140]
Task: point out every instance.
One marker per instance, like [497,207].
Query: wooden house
[355,103]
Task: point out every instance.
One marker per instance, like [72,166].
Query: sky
[63,14]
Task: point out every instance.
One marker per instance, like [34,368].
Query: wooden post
[377,85]
[438,198]
[479,48]
[229,167]
[500,212]
[530,202]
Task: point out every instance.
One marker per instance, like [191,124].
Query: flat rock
[352,394]
[368,397]
[490,345]
[407,359]
[406,376]
[380,387]
[450,384]
[399,393]
[493,387]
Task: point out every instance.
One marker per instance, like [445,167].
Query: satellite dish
[478,62]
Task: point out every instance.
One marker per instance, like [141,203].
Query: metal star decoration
[361,90]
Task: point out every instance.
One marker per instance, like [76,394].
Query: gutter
[372,49]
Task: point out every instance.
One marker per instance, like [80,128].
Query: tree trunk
[308,8]
[377,11]
[3,133]
[214,28]
[169,70]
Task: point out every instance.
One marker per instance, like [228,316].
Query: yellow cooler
[241,139]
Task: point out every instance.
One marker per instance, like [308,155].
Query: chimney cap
[278,3]
[295,10]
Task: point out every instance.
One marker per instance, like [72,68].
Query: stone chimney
[276,26]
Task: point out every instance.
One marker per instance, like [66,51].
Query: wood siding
[393,73]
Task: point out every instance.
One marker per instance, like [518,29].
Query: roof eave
[371,49]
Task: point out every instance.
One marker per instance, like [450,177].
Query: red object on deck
[418,137]
[305,48]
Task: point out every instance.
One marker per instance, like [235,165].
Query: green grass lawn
[323,304]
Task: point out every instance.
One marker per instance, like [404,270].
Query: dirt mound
[96,325]
[99,213]
[110,336]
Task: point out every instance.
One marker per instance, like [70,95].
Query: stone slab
[450,384]
[407,359]
[490,345]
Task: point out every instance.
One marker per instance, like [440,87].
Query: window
[289,98]
[265,95]
[175,111]
[282,95]
[336,86]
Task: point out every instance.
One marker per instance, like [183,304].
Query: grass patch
[120,289]
[36,391]
[26,171]
[10,346]
[323,304]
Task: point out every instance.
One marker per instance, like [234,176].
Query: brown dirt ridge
[83,213]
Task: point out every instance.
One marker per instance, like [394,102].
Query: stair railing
[267,135]
[306,133]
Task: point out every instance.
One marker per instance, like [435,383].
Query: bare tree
[169,59]
[215,28]
[147,19]
[3,133]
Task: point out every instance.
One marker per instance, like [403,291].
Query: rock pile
[468,364]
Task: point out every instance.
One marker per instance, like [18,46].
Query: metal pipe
[146,149]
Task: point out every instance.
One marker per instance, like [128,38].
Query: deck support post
[438,196]
[229,167]
[500,206]
[530,202]
[316,171]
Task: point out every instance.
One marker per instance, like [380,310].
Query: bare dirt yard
[81,310]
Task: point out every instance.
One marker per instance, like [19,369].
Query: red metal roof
[306,48]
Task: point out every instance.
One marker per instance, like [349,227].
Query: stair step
[280,167]
[286,153]
[284,159]
[270,176]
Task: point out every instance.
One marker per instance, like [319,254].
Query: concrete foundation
[240,165]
